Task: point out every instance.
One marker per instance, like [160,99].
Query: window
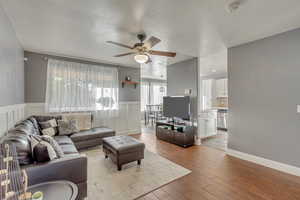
[152,93]
[80,87]
[144,95]
[207,94]
[159,90]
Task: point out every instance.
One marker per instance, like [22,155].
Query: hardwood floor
[216,176]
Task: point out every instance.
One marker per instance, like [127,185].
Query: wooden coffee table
[62,190]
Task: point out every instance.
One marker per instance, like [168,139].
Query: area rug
[105,182]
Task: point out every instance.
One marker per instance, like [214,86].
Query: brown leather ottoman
[123,150]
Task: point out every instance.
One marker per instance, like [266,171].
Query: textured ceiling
[192,28]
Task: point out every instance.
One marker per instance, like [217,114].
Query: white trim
[9,116]
[265,162]
[129,102]
[4,109]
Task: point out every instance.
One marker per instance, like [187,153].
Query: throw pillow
[49,127]
[34,140]
[67,127]
[49,132]
[48,124]
[42,151]
[58,150]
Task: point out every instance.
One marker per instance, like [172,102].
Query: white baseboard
[265,162]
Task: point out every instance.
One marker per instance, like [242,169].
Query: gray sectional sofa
[72,167]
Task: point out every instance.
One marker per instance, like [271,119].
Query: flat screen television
[177,106]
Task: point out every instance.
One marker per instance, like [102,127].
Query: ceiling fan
[142,49]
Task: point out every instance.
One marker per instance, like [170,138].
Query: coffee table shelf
[62,190]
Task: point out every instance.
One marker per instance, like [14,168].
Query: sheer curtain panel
[158,91]
[73,87]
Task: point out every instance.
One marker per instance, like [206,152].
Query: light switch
[298,108]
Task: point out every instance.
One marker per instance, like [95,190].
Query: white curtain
[75,87]
[152,93]
[207,94]
[144,95]
[158,91]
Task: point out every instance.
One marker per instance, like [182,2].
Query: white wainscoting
[10,115]
[127,121]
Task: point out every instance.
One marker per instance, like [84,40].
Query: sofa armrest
[70,168]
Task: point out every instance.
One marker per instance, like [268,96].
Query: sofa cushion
[88,143]
[63,140]
[69,149]
[92,134]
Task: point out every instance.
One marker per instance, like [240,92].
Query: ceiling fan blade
[151,42]
[162,53]
[119,44]
[124,54]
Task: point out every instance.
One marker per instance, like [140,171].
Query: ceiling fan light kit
[141,58]
[142,49]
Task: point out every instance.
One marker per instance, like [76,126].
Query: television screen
[177,106]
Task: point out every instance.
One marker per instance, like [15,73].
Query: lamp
[141,58]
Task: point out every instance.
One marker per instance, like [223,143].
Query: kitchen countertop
[217,108]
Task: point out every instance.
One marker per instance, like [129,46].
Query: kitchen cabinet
[222,87]
[208,123]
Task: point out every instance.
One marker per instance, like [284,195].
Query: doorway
[213,115]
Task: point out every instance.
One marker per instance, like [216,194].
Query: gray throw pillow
[49,131]
[49,127]
[67,127]
[38,146]
[58,150]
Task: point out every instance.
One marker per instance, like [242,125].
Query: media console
[181,134]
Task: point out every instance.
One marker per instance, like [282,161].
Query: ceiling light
[141,58]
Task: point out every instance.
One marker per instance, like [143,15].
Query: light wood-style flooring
[216,176]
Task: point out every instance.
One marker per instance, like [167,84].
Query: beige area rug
[105,182]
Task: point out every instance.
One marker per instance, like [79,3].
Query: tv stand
[181,134]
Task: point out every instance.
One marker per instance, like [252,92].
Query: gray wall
[129,93]
[181,76]
[264,89]
[36,78]
[11,64]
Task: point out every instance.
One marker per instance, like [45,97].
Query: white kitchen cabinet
[222,87]
[208,124]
